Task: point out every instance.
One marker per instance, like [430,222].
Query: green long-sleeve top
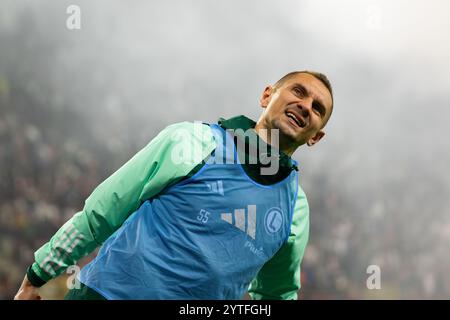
[148,173]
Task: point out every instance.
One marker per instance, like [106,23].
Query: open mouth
[298,121]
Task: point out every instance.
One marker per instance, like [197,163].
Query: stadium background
[76,104]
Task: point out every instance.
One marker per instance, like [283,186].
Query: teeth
[295,118]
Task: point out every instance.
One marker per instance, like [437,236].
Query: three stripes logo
[243,220]
[216,187]
[61,250]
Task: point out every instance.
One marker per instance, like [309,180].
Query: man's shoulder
[302,205]
[193,128]
[186,142]
[301,193]
[195,132]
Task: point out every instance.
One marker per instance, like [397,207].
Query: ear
[265,97]
[316,138]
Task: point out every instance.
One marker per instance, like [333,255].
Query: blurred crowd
[396,220]
[379,220]
[44,179]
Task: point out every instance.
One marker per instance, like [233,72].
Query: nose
[305,107]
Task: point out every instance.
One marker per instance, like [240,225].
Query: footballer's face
[299,109]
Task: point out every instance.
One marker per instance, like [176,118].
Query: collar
[244,123]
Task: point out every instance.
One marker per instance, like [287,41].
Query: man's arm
[279,278]
[155,167]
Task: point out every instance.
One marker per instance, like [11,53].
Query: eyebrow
[316,102]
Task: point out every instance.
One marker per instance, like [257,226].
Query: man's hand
[27,291]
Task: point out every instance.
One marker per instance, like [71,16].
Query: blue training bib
[203,238]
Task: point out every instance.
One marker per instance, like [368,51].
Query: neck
[273,140]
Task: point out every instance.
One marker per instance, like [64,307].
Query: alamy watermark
[374,280]
[73,21]
[189,147]
[72,280]
[374,17]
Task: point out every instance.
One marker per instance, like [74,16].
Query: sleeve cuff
[34,279]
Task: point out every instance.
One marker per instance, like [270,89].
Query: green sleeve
[279,278]
[169,157]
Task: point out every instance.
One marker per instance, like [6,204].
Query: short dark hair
[320,76]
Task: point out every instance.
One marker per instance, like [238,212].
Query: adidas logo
[216,187]
[246,221]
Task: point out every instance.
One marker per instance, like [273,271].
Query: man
[209,226]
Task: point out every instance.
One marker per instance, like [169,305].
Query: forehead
[314,86]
